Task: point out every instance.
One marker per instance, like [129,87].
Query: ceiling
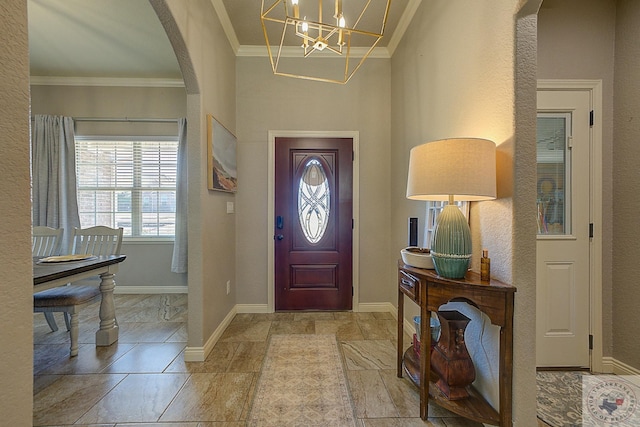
[124,38]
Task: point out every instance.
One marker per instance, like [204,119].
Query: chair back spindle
[46,241]
[99,240]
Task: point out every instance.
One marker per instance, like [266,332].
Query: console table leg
[400,346]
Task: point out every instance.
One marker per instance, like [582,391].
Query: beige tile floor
[142,380]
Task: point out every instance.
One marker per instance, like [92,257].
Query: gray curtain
[53,169]
[179,260]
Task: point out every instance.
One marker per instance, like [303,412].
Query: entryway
[569,226]
[314,222]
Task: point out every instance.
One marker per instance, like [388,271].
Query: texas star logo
[611,401]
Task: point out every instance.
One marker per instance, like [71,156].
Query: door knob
[279,237]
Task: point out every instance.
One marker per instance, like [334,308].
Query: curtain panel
[53,169]
[179,259]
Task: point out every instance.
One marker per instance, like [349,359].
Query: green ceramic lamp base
[451,244]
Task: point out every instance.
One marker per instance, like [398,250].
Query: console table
[430,291]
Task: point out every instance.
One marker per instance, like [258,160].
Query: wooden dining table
[47,275]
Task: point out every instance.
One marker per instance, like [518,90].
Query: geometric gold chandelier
[309,28]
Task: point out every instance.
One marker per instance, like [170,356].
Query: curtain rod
[121,119]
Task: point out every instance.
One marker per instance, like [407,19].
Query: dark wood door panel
[313,244]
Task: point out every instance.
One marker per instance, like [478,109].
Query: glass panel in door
[554,173]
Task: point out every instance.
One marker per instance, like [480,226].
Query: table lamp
[456,169]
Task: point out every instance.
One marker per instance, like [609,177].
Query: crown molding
[296,52]
[292,52]
[221,11]
[104,81]
[403,24]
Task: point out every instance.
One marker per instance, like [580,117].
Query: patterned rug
[582,399]
[560,398]
[302,383]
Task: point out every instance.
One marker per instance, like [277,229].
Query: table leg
[108,332]
[400,344]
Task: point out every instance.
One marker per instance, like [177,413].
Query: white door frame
[595,209]
[355,136]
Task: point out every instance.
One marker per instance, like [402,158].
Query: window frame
[141,239]
[433,209]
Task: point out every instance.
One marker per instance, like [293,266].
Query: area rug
[302,383]
[560,398]
[583,399]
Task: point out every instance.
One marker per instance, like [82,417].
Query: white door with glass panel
[563,180]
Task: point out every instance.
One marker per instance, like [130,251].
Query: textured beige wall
[576,41]
[147,264]
[16,350]
[454,74]
[626,182]
[207,63]
[267,102]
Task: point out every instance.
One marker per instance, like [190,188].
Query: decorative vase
[450,359]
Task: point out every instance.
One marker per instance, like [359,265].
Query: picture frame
[221,157]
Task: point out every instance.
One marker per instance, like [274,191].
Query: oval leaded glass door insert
[313,201]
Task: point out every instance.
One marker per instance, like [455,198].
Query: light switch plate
[230,208]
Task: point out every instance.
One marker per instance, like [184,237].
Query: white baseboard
[199,354]
[614,366]
[377,307]
[252,308]
[150,290]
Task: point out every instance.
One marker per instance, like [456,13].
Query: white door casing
[564,246]
[355,136]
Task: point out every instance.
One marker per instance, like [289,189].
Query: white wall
[147,264]
[454,75]
[267,102]
[16,338]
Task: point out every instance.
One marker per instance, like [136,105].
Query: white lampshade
[462,167]
[452,169]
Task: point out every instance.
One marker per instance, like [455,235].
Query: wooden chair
[99,240]
[70,299]
[46,242]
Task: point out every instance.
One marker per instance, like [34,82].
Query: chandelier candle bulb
[485,266]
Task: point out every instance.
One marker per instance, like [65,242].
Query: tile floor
[142,380]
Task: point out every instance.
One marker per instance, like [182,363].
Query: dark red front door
[313,229]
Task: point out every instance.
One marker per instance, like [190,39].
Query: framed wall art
[221,157]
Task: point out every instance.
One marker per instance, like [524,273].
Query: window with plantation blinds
[129,184]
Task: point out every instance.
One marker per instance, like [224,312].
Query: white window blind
[128,183]
[433,210]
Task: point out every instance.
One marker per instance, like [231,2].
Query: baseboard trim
[199,354]
[377,307]
[150,290]
[614,366]
[252,308]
